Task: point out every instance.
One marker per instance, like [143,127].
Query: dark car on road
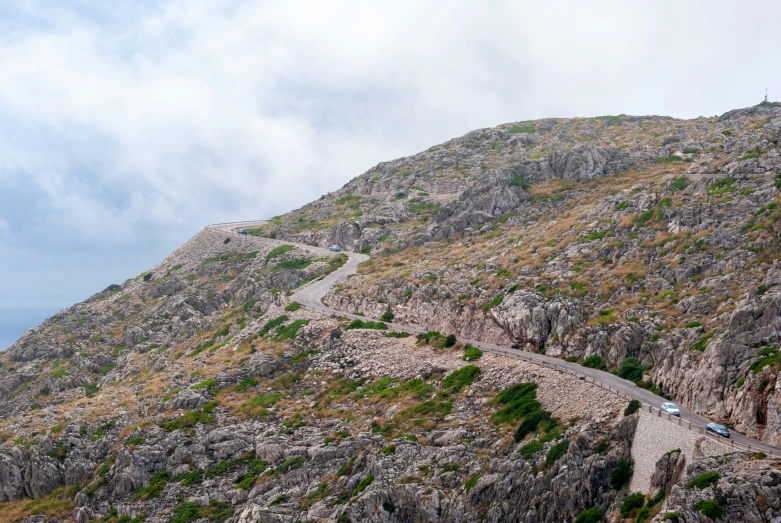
[717,428]
[242,231]
[335,248]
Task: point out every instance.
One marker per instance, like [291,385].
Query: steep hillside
[199,391]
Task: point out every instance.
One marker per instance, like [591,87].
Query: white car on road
[671,408]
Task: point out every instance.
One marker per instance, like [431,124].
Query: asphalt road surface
[311,295]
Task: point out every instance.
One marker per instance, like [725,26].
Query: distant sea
[15,322]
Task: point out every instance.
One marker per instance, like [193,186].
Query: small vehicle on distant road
[335,248]
[671,409]
[717,428]
[242,231]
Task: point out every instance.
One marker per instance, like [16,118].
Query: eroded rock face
[532,320]
[580,163]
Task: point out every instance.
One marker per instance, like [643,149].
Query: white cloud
[153,119]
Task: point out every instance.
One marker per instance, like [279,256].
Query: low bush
[592,515]
[530,448]
[387,316]
[277,251]
[704,481]
[271,324]
[460,378]
[296,264]
[621,475]
[710,508]
[634,406]
[360,324]
[496,300]
[631,369]
[289,332]
[556,451]
[631,502]
[472,353]
[595,361]
[292,306]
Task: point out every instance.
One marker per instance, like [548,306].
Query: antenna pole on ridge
[766,95]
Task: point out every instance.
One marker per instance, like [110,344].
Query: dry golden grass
[58,504]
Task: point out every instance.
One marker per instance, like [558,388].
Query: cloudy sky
[126,126]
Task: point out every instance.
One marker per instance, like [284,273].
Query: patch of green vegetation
[622,205]
[722,186]
[621,475]
[592,515]
[214,511]
[702,343]
[634,406]
[768,357]
[556,451]
[679,184]
[631,503]
[597,235]
[91,389]
[756,153]
[59,452]
[460,378]
[495,301]
[419,207]
[517,181]
[646,217]
[289,332]
[387,316]
[292,463]
[258,406]
[528,129]
[595,361]
[206,384]
[602,446]
[153,489]
[472,353]
[631,369]
[668,159]
[360,324]
[188,421]
[135,440]
[277,251]
[228,258]
[347,199]
[531,448]
[703,481]
[271,324]
[710,508]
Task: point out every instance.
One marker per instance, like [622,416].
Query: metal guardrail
[214,225]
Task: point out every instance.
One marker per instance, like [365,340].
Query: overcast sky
[127,126]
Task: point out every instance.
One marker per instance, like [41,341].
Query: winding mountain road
[310,296]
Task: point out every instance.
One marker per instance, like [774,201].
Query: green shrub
[387,316]
[277,251]
[673,516]
[292,306]
[187,511]
[643,515]
[59,452]
[631,502]
[631,369]
[248,305]
[365,482]
[621,475]
[245,384]
[592,515]
[460,378]
[756,153]
[556,451]
[271,324]
[471,482]
[702,343]
[768,357]
[517,181]
[602,446]
[704,481]
[188,421]
[472,353]
[258,406]
[634,406]
[530,448]
[679,184]
[289,332]
[206,384]
[154,487]
[450,340]
[668,159]
[529,129]
[289,464]
[646,217]
[135,440]
[690,150]
[710,508]
[359,324]
[722,186]
[595,361]
[496,300]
